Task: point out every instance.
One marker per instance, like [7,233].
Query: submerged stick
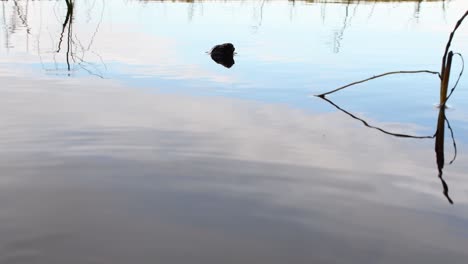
[375,77]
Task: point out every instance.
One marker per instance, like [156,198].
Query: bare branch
[375,77]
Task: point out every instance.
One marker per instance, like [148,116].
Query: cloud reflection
[96,160]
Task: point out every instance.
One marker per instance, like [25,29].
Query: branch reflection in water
[439,137]
[67,24]
[74,44]
[348,16]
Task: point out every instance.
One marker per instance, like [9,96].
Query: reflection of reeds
[7,39]
[19,19]
[440,151]
[74,45]
[365,123]
[444,77]
[439,137]
[67,24]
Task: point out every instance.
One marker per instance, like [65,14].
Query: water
[123,142]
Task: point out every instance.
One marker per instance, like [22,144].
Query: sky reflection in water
[119,175]
[308,47]
[147,150]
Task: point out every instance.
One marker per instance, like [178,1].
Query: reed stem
[445,80]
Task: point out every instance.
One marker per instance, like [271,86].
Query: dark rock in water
[223,54]
[225,49]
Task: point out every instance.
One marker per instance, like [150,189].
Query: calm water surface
[123,142]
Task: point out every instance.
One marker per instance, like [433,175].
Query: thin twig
[447,47]
[375,77]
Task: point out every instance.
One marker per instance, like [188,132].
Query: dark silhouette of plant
[442,121]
